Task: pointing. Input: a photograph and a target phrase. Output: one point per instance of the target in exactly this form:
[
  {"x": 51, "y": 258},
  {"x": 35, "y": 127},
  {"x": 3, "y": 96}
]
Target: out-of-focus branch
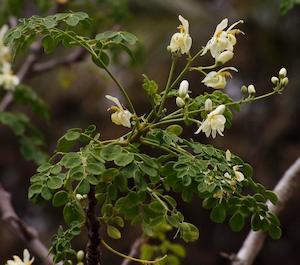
[
  {"x": 255, "y": 240},
  {"x": 134, "y": 249},
  {"x": 76, "y": 56},
  {"x": 27, "y": 233}
]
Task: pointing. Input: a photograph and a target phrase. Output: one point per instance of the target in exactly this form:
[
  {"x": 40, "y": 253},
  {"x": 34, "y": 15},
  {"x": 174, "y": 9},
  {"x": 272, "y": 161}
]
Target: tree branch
[
  {"x": 255, "y": 240},
  {"x": 78, "y": 55},
  {"x": 134, "y": 249},
  {"x": 92, "y": 249},
  {"x": 27, "y": 233}
]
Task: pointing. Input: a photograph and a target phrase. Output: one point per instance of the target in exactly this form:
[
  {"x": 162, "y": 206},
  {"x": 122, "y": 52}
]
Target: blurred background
[{"x": 265, "y": 133}]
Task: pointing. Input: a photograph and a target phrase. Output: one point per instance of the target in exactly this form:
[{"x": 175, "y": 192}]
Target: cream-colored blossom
[
  {"x": 214, "y": 123},
  {"x": 7, "y": 79},
  {"x": 4, "y": 50},
  {"x": 183, "y": 89},
  {"x": 238, "y": 174},
  {"x": 120, "y": 116},
  {"x": 17, "y": 260},
  {"x": 224, "y": 57},
  {"x": 217, "y": 80},
  {"x": 222, "y": 40},
  {"x": 181, "y": 41}
]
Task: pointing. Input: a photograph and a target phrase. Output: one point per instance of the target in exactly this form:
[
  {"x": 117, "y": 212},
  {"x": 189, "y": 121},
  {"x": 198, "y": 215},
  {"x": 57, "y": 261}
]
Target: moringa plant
[{"x": 112, "y": 183}]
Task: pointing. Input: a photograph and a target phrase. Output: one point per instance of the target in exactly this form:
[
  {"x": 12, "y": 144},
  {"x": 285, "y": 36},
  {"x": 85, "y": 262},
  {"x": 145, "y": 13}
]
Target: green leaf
[
  {"x": 174, "y": 129},
  {"x": 113, "y": 232},
  {"x": 54, "y": 182},
  {"x": 72, "y": 212},
  {"x": 270, "y": 195},
  {"x": 72, "y": 20},
  {"x": 237, "y": 222},
  {"x": 72, "y": 135},
  {"x": 218, "y": 213},
  {"x": 71, "y": 160},
  {"x": 111, "y": 152},
  {"x": 106, "y": 35},
  {"x": 124, "y": 159},
  {"x": 152, "y": 172},
  {"x": 189, "y": 232},
  {"x": 275, "y": 231},
  {"x": 44, "y": 167},
  {"x": 95, "y": 168},
  {"x": 84, "y": 187},
  {"x": 60, "y": 198},
  {"x": 128, "y": 37},
  {"x": 46, "y": 194}
]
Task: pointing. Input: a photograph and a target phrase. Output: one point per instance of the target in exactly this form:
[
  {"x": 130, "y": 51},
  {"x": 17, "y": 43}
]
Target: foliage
[
  {"x": 131, "y": 185},
  {"x": 286, "y": 5}
]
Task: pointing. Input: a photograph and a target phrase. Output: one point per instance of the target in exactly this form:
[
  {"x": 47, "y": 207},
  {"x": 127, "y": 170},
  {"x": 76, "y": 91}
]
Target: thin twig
[
  {"x": 284, "y": 189},
  {"x": 27, "y": 233}
]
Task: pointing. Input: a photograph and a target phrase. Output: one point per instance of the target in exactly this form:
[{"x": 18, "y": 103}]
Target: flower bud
[
  {"x": 208, "y": 105},
  {"x": 251, "y": 90},
  {"x": 183, "y": 89},
  {"x": 227, "y": 175},
  {"x": 80, "y": 255},
  {"x": 275, "y": 80},
  {"x": 79, "y": 197},
  {"x": 282, "y": 73},
  {"x": 224, "y": 57},
  {"x": 228, "y": 155},
  {"x": 285, "y": 81},
  {"x": 244, "y": 89},
  {"x": 180, "y": 102}
]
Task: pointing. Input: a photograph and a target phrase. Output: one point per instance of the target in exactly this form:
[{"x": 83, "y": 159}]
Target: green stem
[
  {"x": 131, "y": 258},
  {"x": 83, "y": 44},
  {"x": 167, "y": 88}
]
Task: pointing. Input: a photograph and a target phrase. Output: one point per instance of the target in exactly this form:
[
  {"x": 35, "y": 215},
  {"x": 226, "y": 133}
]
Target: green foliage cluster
[{"x": 131, "y": 186}]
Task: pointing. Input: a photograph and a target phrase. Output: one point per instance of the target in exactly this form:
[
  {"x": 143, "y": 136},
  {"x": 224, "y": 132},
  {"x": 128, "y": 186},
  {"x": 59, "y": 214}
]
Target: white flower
[
  {"x": 224, "y": 57},
  {"x": 222, "y": 40},
  {"x": 120, "y": 116},
  {"x": 238, "y": 175},
  {"x": 4, "y": 51},
  {"x": 214, "y": 123},
  {"x": 181, "y": 41},
  {"x": 7, "y": 79},
  {"x": 217, "y": 80},
  {"x": 183, "y": 88},
  {"x": 17, "y": 261}
]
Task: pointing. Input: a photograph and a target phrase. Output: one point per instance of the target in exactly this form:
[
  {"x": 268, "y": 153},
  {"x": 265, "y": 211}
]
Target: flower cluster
[
  {"x": 7, "y": 79},
  {"x": 17, "y": 260}
]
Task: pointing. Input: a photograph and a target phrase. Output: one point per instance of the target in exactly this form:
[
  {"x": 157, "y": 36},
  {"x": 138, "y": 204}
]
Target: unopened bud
[
  {"x": 244, "y": 90},
  {"x": 79, "y": 197},
  {"x": 228, "y": 155},
  {"x": 208, "y": 105},
  {"x": 285, "y": 81},
  {"x": 224, "y": 57},
  {"x": 251, "y": 90},
  {"x": 282, "y": 73},
  {"x": 180, "y": 102},
  {"x": 183, "y": 89},
  {"x": 80, "y": 255},
  {"x": 275, "y": 80},
  {"x": 227, "y": 175}
]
